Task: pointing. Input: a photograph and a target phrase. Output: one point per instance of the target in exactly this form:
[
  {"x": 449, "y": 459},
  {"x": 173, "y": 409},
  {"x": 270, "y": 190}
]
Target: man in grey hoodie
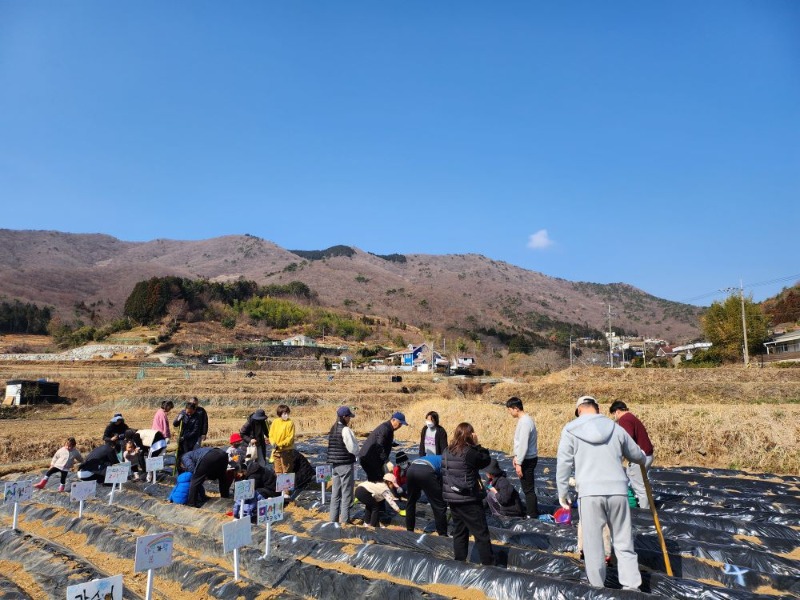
[{"x": 592, "y": 446}]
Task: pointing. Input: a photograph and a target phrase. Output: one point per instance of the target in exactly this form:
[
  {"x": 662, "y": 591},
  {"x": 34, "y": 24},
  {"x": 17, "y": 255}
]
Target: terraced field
[{"x": 730, "y": 533}]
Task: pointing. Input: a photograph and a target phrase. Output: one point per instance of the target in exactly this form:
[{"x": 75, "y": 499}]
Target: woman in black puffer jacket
[{"x": 463, "y": 492}]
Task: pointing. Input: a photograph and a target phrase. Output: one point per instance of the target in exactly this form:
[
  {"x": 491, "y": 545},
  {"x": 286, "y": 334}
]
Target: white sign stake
[
  {"x": 117, "y": 474},
  {"x": 242, "y": 491},
  {"x": 235, "y": 534},
  {"x": 16, "y": 492},
  {"x": 284, "y": 482},
  {"x": 152, "y": 552},
  {"x": 153, "y": 465},
  {"x": 269, "y": 511},
  {"x": 109, "y": 587},
  {"x": 323, "y": 477},
  {"x": 80, "y": 491}
]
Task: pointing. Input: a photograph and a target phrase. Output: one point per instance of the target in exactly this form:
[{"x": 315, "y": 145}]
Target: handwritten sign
[
  {"x": 155, "y": 463},
  {"x": 118, "y": 473},
  {"x": 97, "y": 589},
  {"x": 244, "y": 490},
  {"x": 82, "y": 490},
  {"x": 284, "y": 482},
  {"x": 323, "y": 473},
  {"x": 270, "y": 510},
  {"x": 153, "y": 551},
  {"x": 17, "y": 491},
  {"x": 235, "y": 534}
]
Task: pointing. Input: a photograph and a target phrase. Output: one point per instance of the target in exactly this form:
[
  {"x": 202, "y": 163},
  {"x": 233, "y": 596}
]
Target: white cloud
[{"x": 539, "y": 240}]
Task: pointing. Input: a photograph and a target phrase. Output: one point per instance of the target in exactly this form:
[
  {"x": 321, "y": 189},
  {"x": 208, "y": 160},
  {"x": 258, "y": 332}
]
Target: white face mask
[
  {"x": 430, "y": 424},
  {"x": 285, "y": 417}
]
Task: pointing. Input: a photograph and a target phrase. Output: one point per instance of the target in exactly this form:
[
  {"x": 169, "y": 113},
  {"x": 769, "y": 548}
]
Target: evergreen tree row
[{"x": 17, "y": 317}]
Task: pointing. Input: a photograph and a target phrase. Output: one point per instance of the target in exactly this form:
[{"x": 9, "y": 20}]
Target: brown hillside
[{"x": 454, "y": 292}]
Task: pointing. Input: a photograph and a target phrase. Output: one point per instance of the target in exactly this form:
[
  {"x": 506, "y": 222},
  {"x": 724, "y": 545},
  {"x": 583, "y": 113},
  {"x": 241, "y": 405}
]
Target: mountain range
[{"x": 445, "y": 293}]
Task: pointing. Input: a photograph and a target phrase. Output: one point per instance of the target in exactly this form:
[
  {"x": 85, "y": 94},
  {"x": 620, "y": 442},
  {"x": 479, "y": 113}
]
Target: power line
[{"x": 716, "y": 292}]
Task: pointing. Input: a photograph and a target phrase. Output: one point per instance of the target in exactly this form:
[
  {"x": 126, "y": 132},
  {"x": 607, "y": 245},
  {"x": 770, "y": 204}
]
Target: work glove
[
  {"x": 402, "y": 512},
  {"x": 565, "y": 502}
]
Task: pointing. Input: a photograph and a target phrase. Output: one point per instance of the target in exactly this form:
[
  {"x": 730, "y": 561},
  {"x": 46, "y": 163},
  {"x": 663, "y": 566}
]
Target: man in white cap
[
  {"x": 593, "y": 446},
  {"x": 115, "y": 431}
]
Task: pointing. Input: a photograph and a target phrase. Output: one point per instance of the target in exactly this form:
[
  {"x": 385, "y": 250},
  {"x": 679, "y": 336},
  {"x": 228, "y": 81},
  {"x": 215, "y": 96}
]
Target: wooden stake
[{"x": 655, "y": 520}]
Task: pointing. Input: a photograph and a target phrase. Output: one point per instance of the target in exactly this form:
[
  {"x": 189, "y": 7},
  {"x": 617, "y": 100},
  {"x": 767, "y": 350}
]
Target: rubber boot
[{"x": 41, "y": 484}]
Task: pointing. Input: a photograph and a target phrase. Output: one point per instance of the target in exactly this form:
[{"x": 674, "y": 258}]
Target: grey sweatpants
[
  {"x": 343, "y": 482},
  {"x": 634, "y": 472},
  {"x": 595, "y": 512}
]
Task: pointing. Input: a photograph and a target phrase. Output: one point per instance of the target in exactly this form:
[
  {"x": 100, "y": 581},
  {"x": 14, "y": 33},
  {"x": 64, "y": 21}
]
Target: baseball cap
[
  {"x": 400, "y": 417},
  {"x": 116, "y": 418},
  {"x": 344, "y": 411},
  {"x": 584, "y": 400}
]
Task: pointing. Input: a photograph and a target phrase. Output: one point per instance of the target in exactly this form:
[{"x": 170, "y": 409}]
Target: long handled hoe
[
  {"x": 655, "y": 520},
  {"x": 178, "y": 452}
]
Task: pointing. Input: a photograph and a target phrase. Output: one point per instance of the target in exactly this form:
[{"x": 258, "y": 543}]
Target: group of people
[
  {"x": 245, "y": 458},
  {"x": 590, "y": 457},
  {"x": 195, "y": 463},
  {"x": 446, "y": 472},
  {"x": 121, "y": 443},
  {"x": 591, "y": 451}
]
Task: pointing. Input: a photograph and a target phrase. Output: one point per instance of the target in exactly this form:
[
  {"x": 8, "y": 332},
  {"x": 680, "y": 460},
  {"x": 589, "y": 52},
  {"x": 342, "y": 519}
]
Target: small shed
[{"x": 24, "y": 391}]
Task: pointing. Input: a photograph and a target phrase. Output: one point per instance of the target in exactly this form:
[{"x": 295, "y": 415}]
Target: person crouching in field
[
  {"x": 205, "y": 463},
  {"x": 281, "y": 436},
  {"x": 374, "y": 495},
  {"x": 62, "y": 462},
  {"x": 93, "y": 468},
  {"x": 502, "y": 497}
]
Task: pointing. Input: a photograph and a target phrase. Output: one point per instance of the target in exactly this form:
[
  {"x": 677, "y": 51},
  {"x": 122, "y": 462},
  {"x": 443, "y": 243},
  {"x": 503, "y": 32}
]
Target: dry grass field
[{"x": 730, "y": 418}]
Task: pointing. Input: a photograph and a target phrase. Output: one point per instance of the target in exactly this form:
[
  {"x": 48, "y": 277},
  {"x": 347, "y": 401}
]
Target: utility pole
[
  {"x": 570, "y": 352},
  {"x": 644, "y": 351},
  {"x": 744, "y": 325},
  {"x": 610, "y": 343},
  {"x": 731, "y": 290}
]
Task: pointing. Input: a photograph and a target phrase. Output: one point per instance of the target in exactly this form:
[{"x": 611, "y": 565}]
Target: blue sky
[{"x": 651, "y": 143}]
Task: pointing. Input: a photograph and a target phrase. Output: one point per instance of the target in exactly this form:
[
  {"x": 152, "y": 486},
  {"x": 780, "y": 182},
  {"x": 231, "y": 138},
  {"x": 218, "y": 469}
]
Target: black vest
[
  {"x": 459, "y": 480},
  {"x": 338, "y": 454}
]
